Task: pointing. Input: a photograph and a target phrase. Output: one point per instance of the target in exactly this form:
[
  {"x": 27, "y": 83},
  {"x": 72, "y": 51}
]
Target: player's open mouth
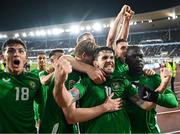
[{"x": 16, "y": 62}]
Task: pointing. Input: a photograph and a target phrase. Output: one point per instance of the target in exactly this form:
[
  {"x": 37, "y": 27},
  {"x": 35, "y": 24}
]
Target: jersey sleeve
[
  {"x": 130, "y": 89},
  {"x": 42, "y": 74},
  {"x": 81, "y": 86},
  {"x": 167, "y": 99}
]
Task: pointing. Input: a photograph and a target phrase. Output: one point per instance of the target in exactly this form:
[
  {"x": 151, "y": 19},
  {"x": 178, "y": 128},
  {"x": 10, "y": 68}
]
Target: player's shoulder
[
  {"x": 31, "y": 75},
  {"x": 155, "y": 76}
]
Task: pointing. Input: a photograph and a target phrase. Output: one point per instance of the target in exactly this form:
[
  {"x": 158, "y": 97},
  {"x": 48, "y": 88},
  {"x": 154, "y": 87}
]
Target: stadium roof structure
[{"x": 161, "y": 19}]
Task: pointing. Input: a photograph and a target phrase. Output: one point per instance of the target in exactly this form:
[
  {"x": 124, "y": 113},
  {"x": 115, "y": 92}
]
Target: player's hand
[
  {"x": 62, "y": 69},
  {"x": 165, "y": 79},
  {"x": 129, "y": 13},
  {"x": 111, "y": 105},
  {"x": 165, "y": 75},
  {"x": 97, "y": 75},
  {"x": 149, "y": 72},
  {"x": 50, "y": 70}
]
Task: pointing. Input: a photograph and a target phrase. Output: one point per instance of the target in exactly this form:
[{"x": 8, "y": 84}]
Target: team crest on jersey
[
  {"x": 32, "y": 84},
  {"x": 116, "y": 86}
]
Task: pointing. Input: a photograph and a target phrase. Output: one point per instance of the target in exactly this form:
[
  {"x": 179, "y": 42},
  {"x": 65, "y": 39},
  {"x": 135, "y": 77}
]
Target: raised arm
[
  {"x": 152, "y": 96},
  {"x": 120, "y": 27},
  {"x": 45, "y": 79},
  {"x": 98, "y": 76},
  {"x": 66, "y": 99},
  {"x": 115, "y": 28},
  {"x": 124, "y": 32}
]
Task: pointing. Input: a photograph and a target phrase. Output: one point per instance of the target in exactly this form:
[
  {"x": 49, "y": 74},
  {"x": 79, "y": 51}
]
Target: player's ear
[{"x": 95, "y": 63}]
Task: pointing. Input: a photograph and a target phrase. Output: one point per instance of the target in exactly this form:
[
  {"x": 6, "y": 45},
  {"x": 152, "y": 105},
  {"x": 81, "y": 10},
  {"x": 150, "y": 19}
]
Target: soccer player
[
  {"x": 41, "y": 62},
  {"x": 41, "y": 66},
  {"x": 117, "y": 38},
  {"x": 143, "y": 121},
  {"x": 18, "y": 90},
  {"x": 53, "y": 117},
  {"x": 85, "y": 36},
  {"x": 51, "y": 113},
  {"x": 91, "y": 94}
]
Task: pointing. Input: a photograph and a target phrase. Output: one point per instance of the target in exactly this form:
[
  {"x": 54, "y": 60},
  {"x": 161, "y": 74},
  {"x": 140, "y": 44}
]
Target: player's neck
[
  {"x": 42, "y": 68},
  {"x": 13, "y": 72}
]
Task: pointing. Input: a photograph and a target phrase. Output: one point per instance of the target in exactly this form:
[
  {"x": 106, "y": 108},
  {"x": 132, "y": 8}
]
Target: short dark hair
[
  {"x": 120, "y": 40},
  {"x": 41, "y": 53},
  {"x": 85, "y": 46},
  {"x": 55, "y": 51},
  {"x": 99, "y": 49},
  {"x": 11, "y": 42}
]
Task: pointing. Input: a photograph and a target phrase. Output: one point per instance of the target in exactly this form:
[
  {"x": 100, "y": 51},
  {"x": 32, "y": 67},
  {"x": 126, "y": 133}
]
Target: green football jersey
[
  {"x": 92, "y": 95},
  {"x": 143, "y": 121},
  {"x": 38, "y": 108},
  {"x": 120, "y": 68},
  {"x": 53, "y": 120},
  {"x": 45, "y": 87},
  {"x": 35, "y": 71},
  {"x": 17, "y": 94}
]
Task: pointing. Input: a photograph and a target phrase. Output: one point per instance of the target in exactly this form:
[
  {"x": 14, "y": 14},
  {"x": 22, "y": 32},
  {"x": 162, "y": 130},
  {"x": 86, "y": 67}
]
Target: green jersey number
[{"x": 22, "y": 93}]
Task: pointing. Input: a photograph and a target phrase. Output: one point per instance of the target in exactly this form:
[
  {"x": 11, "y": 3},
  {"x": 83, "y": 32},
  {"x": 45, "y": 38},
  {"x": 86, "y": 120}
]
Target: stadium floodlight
[
  {"x": 104, "y": 25},
  {"x": 49, "y": 32},
  {"x": 74, "y": 29},
  {"x": 97, "y": 27},
  {"x": 37, "y": 33},
  {"x": 31, "y": 34},
  {"x": 42, "y": 33},
  {"x": 24, "y": 34},
  {"x": 107, "y": 25},
  {"x": 149, "y": 21},
  {"x": 82, "y": 28},
  {"x": 4, "y": 36},
  {"x": 16, "y": 35},
  {"x": 88, "y": 28},
  {"x": 57, "y": 31}
]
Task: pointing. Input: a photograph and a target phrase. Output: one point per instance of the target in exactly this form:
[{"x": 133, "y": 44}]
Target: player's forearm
[
  {"x": 61, "y": 95},
  {"x": 46, "y": 79},
  {"x": 162, "y": 87},
  {"x": 78, "y": 65},
  {"x": 141, "y": 103},
  {"x": 114, "y": 30},
  {"x": 85, "y": 114},
  {"x": 123, "y": 34}
]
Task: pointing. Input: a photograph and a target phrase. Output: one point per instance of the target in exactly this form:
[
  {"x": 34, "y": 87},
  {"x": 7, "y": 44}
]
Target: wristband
[{"x": 148, "y": 95}]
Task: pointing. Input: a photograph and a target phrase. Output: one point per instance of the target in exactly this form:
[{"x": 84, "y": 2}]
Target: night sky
[{"x": 18, "y": 14}]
